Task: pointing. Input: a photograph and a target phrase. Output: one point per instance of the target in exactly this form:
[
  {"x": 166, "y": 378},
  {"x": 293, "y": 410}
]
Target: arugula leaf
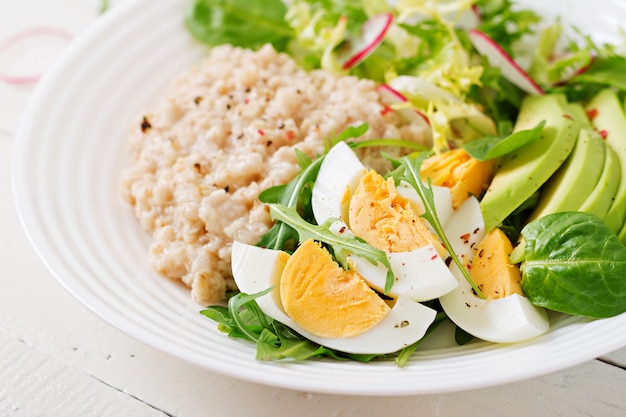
[
  {"x": 574, "y": 264},
  {"x": 245, "y": 23},
  {"x": 491, "y": 147},
  {"x": 408, "y": 169},
  {"x": 281, "y": 236},
  {"x": 342, "y": 246},
  {"x": 243, "y": 319}
]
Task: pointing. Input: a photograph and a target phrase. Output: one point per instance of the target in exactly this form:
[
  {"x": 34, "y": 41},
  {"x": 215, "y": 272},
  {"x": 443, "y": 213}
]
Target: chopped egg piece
[
  {"x": 387, "y": 220},
  {"x": 325, "y": 299}
]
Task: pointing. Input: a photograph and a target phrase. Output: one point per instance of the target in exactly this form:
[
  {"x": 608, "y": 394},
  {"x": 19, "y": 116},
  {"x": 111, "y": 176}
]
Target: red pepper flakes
[
  {"x": 289, "y": 135},
  {"x": 603, "y": 133},
  {"x": 432, "y": 258},
  {"x": 342, "y": 229},
  {"x": 261, "y": 132},
  {"x": 465, "y": 237},
  {"x": 592, "y": 113},
  {"x": 385, "y": 110},
  {"x": 246, "y": 101},
  {"x": 567, "y": 116}
]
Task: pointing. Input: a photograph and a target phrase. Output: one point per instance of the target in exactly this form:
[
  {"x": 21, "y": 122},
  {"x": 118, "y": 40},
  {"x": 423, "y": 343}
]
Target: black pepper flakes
[
  {"x": 145, "y": 124},
  {"x": 197, "y": 100}
]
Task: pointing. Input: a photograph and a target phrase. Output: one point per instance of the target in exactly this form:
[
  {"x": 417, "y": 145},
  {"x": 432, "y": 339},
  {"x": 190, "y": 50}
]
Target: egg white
[
  {"x": 256, "y": 269},
  {"x": 339, "y": 174}
]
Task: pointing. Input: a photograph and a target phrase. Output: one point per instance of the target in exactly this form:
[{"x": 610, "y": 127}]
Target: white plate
[{"x": 69, "y": 154}]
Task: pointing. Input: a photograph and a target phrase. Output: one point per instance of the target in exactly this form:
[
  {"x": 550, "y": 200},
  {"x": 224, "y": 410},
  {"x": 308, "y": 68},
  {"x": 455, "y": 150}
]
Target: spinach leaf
[
  {"x": 244, "y": 23},
  {"x": 574, "y": 264},
  {"x": 491, "y": 147}
]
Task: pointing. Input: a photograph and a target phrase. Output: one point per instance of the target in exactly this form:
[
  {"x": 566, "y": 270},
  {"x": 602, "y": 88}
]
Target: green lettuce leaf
[{"x": 244, "y": 23}]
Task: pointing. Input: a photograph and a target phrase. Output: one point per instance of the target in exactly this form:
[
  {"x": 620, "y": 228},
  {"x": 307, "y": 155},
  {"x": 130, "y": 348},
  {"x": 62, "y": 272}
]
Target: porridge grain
[{"x": 223, "y": 132}]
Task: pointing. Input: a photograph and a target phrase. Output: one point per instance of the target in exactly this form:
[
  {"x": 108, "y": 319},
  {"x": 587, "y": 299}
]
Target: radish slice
[
  {"x": 500, "y": 59},
  {"x": 391, "y": 96},
  {"x": 372, "y": 34},
  {"x": 27, "y": 54}
]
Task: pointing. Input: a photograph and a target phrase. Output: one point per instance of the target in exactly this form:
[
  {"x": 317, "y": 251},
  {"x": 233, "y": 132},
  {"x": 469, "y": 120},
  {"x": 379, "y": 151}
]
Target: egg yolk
[
  {"x": 457, "y": 170},
  {"x": 491, "y": 269},
  {"x": 326, "y": 300},
  {"x": 385, "y": 219}
]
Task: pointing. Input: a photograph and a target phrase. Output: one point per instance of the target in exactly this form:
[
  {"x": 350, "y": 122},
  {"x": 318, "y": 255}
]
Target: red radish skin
[
  {"x": 29, "y": 35},
  {"x": 391, "y": 96},
  {"x": 500, "y": 59},
  {"x": 372, "y": 34}
]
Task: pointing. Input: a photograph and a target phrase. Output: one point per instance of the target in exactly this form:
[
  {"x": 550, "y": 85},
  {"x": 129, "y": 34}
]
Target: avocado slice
[
  {"x": 601, "y": 198},
  {"x": 576, "y": 179},
  {"x": 609, "y": 119},
  {"x": 523, "y": 172}
]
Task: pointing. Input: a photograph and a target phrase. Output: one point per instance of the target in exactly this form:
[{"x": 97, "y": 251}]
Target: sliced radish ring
[
  {"x": 500, "y": 59},
  {"x": 373, "y": 31},
  {"x": 391, "y": 96},
  {"x": 25, "y": 55}
]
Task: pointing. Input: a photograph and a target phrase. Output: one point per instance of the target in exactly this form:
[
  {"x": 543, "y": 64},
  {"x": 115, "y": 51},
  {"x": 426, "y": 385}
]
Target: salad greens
[{"x": 427, "y": 40}]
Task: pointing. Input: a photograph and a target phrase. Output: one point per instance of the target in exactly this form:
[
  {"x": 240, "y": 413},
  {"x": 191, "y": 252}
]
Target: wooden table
[{"x": 59, "y": 359}]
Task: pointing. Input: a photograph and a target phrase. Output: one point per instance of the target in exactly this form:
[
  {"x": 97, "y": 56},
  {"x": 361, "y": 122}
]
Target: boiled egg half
[
  {"x": 509, "y": 319},
  {"x": 387, "y": 217},
  {"x": 315, "y": 297}
]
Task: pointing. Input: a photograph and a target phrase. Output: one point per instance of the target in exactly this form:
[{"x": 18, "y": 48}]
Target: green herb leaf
[
  {"x": 574, "y": 264},
  {"x": 342, "y": 246},
  {"x": 281, "y": 236},
  {"x": 408, "y": 169},
  {"x": 245, "y": 23},
  {"x": 491, "y": 147},
  {"x": 350, "y": 133}
]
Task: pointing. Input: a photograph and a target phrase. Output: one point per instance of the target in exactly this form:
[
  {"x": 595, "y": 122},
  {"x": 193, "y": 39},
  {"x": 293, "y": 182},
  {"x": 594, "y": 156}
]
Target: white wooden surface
[{"x": 58, "y": 359}]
